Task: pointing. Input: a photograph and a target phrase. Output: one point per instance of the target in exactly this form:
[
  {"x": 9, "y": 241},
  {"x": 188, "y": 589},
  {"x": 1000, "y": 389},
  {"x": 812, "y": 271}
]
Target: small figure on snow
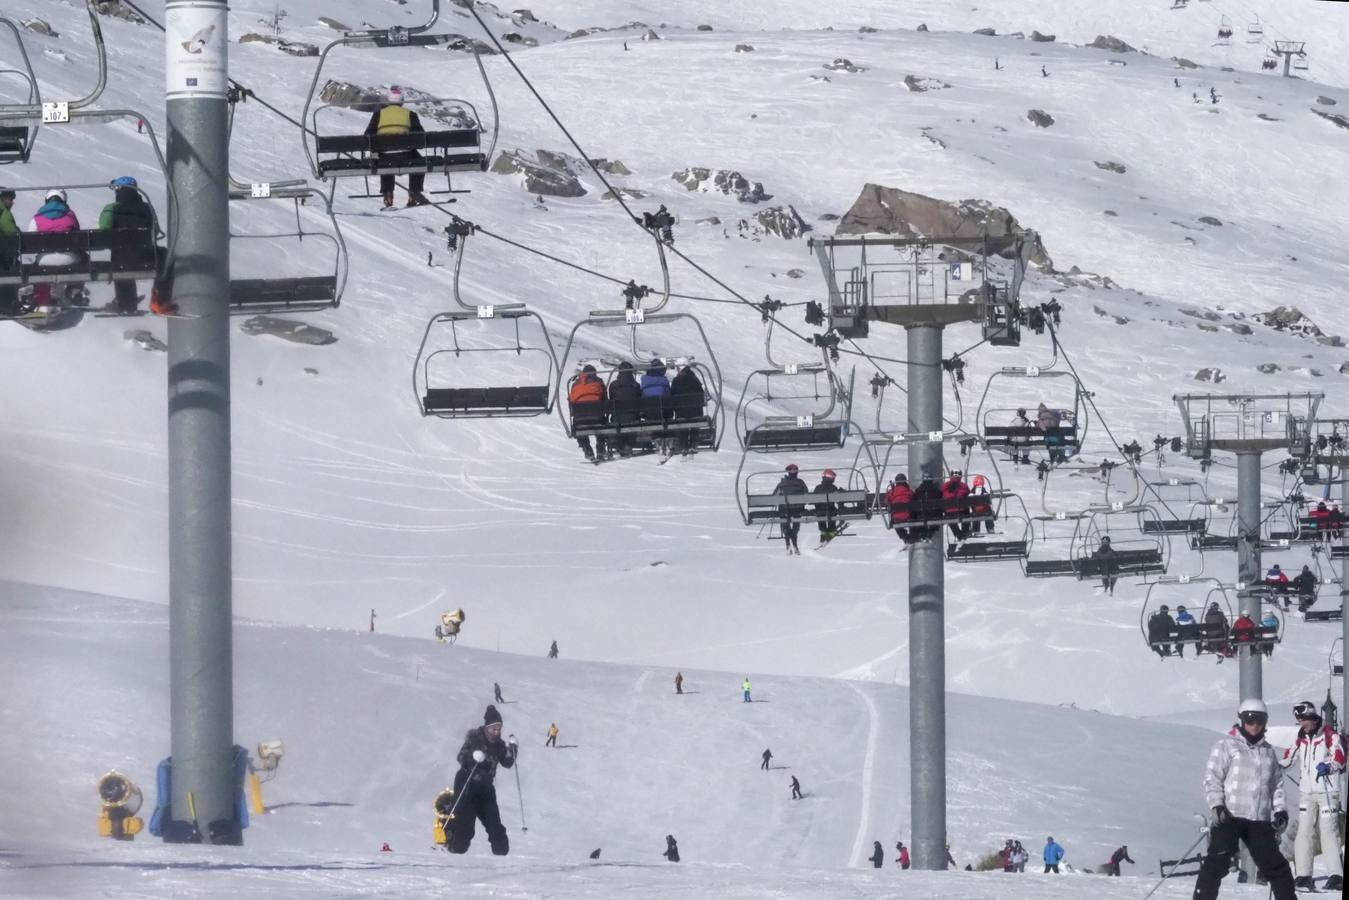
[
  {"x": 482, "y": 752},
  {"x": 1053, "y": 854},
  {"x": 671, "y": 848},
  {"x": 745, "y": 687},
  {"x": 877, "y": 855},
  {"x": 552, "y": 650},
  {"x": 997, "y": 67},
  {"x": 552, "y": 736},
  {"x": 902, "y": 860},
  {"x": 496, "y": 693},
  {"x": 767, "y": 755},
  {"x": 1043, "y": 72},
  {"x": 1119, "y": 856},
  {"x": 796, "y": 795},
  {"x": 679, "y": 682}
]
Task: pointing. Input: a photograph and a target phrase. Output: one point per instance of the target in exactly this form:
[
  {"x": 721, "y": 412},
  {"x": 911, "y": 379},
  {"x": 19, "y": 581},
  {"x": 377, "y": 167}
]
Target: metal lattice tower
[{"x": 1289, "y": 50}]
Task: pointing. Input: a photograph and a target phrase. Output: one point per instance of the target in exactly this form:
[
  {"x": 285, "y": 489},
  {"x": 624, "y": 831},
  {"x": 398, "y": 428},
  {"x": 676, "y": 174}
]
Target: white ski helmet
[
  {"x": 55, "y": 194},
  {"x": 1255, "y": 709}
]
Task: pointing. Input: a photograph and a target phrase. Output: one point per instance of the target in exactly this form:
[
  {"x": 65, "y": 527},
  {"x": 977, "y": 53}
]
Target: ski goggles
[
  {"x": 1254, "y": 717},
  {"x": 1305, "y": 710}
]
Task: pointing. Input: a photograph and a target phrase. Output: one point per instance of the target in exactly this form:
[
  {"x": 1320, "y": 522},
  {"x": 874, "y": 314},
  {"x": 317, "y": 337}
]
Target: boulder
[
  {"x": 651, "y": 35},
  {"x": 1332, "y": 117},
  {"x": 782, "y": 221},
  {"x": 1039, "y": 38},
  {"x": 288, "y": 330},
  {"x": 885, "y": 210},
  {"x": 525, "y": 15},
  {"x": 1269, "y": 368},
  {"x": 725, "y": 181},
  {"x": 987, "y": 32},
  {"x": 548, "y": 174},
  {"x": 1111, "y": 43},
  {"x": 1184, "y": 63},
  {"x": 611, "y": 166},
  {"x": 1288, "y": 318},
  {"x": 704, "y": 27},
  {"x": 1111, "y": 213},
  {"x": 744, "y": 48},
  {"x": 921, "y": 27},
  {"x": 1210, "y": 220},
  {"x": 796, "y": 273},
  {"x": 1214, "y": 375},
  {"x": 351, "y": 96},
  {"x": 867, "y": 29},
  {"x": 514, "y": 37},
  {"x": 919, "y": 85},
  {"x": 114, "y": 9},
  {"x": 144, "y": 339},
  {"x": 843, "y": 64},
  {"x": 1323, "y": 100},
  {"x": 1111, "y": 166},
  {"x": 1041, "y": 118},
  {"x": 43, "y": 27},
  {"x": 1330, "y": 340}
]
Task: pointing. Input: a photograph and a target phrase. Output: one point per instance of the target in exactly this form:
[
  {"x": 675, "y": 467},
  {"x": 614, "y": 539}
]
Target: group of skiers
[
  {"x": 969, "y": 505},
  {"x": 791, "y": 485},
  {"x": 128, "y": 211},
  {"x": 1048, "y": 423},
  {"x": 1303, "y": 586},
  {"x": 902, "y": 858},
  {"x": 1329, "y": 521},
  {"x": 1169, "y": 635},
  {"x": 625, "y": 401}
]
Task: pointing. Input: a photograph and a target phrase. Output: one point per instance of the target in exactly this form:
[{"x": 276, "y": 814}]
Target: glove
[
  {"x": 1323, "y": 770},
  {"x": 1280, "y": 820},
  {"x": 1221, "y": 816},
  {"x": 479, "y": 756}
]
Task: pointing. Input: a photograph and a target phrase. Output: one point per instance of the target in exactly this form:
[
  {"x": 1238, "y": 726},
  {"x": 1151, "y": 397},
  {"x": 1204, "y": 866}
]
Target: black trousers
[
  {"x": 416, "y": 181},
  {"x": 476, "y": 801},
  {"x": 1051, "y": 868},
  {"x": 790, "y": 531},
  {"x": 1263, "y": 843}
]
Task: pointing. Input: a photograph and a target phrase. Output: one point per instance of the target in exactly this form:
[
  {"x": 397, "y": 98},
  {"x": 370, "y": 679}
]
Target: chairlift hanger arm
[{"x": 101, "y": 53}]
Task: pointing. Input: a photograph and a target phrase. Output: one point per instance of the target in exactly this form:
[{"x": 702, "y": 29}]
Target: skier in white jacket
[
  {"x": 1243, "y": 785},
  {"x": 1318, "y": 758}
]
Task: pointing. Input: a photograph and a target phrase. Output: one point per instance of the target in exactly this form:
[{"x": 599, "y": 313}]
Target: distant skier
[
  {"x": 671, "y": 848},
  {"x": 1043, "y": 73},
  {"x": 767, "y": 756},
  {"x": 789, "y": 486},
  {"x": 552, "y": 736},
  {"x": 1176, "y": 81},
  {"x": 1119, "y": 856},
  {"x": 482, "y": 752},
  {"x": 1212, "y": 95},
  {"x": 1244, "y": 787},
  {"x": 496, "y": 692},
  {"x": 745, "y": 687},
  {"x": 796, "y": 795},
  {"x": 902, "y": 860},
  {"x": 1319, "y": 758},
  {"x": 679, "y": 682},
  {"x": 552, "y": 650},
  {"x": 1053, "y": 854},
  {"x": 950, "y": 860},
  {"x": 997, "y": 66},
  {"x": 877, "y": 855}
]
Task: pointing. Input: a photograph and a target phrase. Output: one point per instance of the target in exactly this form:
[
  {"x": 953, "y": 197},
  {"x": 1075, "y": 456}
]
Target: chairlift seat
[
  {"x": 13, "y": 143},
  {"x": 840, "y": 506},
  {"x": 1338, "y": 552},
  {"x": 390, "y": 154},
  {"x": 531, "y": 398},
  {"x": 1050, "y": 568},
  {"x": 1213, "y": 542},
  {"x": 1028, "y": 436},
  {"x": 977, "y": 551},
  {"x": 1173, "y": 526},
  {"x": 132, "y": 253},
  {"x": 810, "y": 437},
  {"x": 282, "y": 292},
  {"x": 1324, "y": 615},
  {"x": 1123, "y": 562}
]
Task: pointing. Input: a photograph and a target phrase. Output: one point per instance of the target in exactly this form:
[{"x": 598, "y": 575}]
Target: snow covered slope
[{"x": 371, "y": 724}]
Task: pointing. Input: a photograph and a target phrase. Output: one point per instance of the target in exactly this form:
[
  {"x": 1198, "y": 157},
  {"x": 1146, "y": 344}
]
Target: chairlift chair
[
  {"x": 1335, "y": 658},
  {"x": 336, "y": 151},
  {"x": 16, "y": 141},
  {"x": 1180, "y": 505},
  {"x": 994, "y": 423},
  {"x": 294, "y": 293},
  {"x": 1014, "y": 521},
  {"x": 1049, "y": 550},
  {"x": 1180, "y": 4},
  {"x": 854, "y": 499},
  {"x": 1254, "y": 31},
  {"x": 1138, "y": 548},
  {"x": 1224, "y": 31},
  {"x": 1220, "y": 526},
  {"x": 1203, "y": 636},
  {"x": 1300, "y": 63}
]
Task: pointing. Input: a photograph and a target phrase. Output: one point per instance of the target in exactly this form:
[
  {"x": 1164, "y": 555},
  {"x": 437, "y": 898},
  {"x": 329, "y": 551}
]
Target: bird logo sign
[{"x": 198, "y": 41}]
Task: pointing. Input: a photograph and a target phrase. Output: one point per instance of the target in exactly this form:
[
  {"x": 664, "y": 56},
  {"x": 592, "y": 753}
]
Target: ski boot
[
  {"x": 388, "y": 200},
  {"x": 1334, "y": 883}
]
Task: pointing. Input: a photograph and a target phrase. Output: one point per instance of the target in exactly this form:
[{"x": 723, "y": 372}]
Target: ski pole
[
  {"x": 519, "y": 792},
  {"x": 1203, "y": 833},
  {"x": 478, "y": 756}
]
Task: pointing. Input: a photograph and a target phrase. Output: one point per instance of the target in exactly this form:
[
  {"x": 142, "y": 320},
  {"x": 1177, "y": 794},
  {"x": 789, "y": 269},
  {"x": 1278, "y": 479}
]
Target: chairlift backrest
[{"x": 314, "y": 288}]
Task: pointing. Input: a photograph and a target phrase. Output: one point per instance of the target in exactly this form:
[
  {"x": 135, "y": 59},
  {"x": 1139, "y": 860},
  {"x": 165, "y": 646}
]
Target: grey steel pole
[
  {"x": 927, "y": 638},
  {"x": 1248, "y": 567},
  {"x": 200, "y": 655}
]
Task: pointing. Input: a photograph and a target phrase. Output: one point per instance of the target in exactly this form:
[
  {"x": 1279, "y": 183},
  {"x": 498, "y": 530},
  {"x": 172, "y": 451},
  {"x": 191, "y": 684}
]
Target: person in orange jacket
[{"x": 587, "y": 398}]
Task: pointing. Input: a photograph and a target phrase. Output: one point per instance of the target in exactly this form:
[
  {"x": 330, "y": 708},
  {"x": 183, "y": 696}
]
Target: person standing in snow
[
  {"x": 482, "y": 752},
  {"x": 767, "y": 755},
  {"x": 671, "y": 848},
  {"x": 1243, "y": 785},
  {"x": 679, "y": 682},
  {"x": 745, "y": 687},
  {"x": 1119, "y": 856},
  {"x": 496, "y": 692},
  {"x": 552, "y": 650},
  {"x": 1020, "y": 856},
  {"x": 902, "y": 860},
  {"x": 552, "y": 736},
  {"x": 1053, "y": 854},
  {"x": 877, "y": 855},
  {"x": 796, "y": 795},
  {"x": 1318, "y": 756}
]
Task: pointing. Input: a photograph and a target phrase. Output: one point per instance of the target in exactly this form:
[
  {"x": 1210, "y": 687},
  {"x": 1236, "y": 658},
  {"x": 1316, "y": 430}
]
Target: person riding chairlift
[{"x": 393, "y": 118}]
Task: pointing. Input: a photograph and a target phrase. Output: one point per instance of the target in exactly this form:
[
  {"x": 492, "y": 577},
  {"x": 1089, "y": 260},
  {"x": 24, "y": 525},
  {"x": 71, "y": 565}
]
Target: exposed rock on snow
[
  {"x": 922, "y": 26},
  {"x": 1290, "y": 319},
  {"x": 289, "y": 330},
  {"x": 1211, "y": 220},
  {"x": 1119, "y": 320},
  {"x": 780, "y": 221},
  {"x": 549, "y": 174},
  {"x": 1333, "y": 117},
  {"x": 144, "y": 339},
  {"x": 1041, "y": 118},
  {"x": 651, "y": 35},
  {"x": 520, "y": 16},
  {"x": 796, "y": 273},
  {"x": 514, "y": 37},
  {"x": 40, "y": 26},
  {"x": 1111, "y": 213},
  {"x": 1184, "y": 63},
  {"x": 350, "y": 96},
  {"x": 726, "y": 181},
  {"x": 885, "y": 210},
  {"x": 744, "y": 48},
  {"x": 1112, "y": 43},
  {"x": 1269, "y": 368},
  {"x": 1111, "y": 166},
  {"x": 704, "y": 27},
  {"x": 625, "y": 193},
  {"x": 115, "y": 10},
  {"x": 1214, "y": 375},
  {"x": 843, "y": 64},
  {"x": 1039, "y": 38},
  {"x": 294, "y": 48},
  {"x": 987, "y": 32},
  {"x": 1330, "y": 340},
  {"x": 919, "y": 85},
  {"x": 1326, "y": 101}
]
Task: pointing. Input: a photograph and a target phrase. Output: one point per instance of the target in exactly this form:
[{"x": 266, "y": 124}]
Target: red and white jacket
[{"x": 1321, "y": 746}]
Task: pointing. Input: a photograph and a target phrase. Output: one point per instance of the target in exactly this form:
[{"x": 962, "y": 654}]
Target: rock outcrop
[
  {"x": 726, "y": 181},
  {"x": 843, "y": 64},
  {"x": 1333, "y": 117},
  {"x": 1039, "y": 38},
  {"x": 1041, "y": 118},
  {"x": 1111, "y": 43},
  {"x": 1111, "y": 166},
  {"x": 548, "y": 174},
  {"x": 919, "y": 85},
  {"x": 288, "y": 330}
]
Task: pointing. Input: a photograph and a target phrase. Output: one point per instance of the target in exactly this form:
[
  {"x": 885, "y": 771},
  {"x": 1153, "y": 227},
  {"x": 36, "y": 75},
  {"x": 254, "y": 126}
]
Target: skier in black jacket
[
  {"x": 687, "y": 398},
  {"x": 927, "y": 505},
  {"x": 791, "y": 484},
  {"x": 625, "y": 398},
  {"x": 482, "y": 752},
  {"x": 877, "y": 855},
  {"x": 829, "y": 528}
]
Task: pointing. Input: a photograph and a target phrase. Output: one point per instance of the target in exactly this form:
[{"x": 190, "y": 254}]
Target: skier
[
  {"x": 1008, "y": 855},
  {"x": 393, "y": 118},
  {"x": 625, "y": 398},
  {"x": 671, "y": 848},
  {"x": 1213, "y": 95},
  {"x": 1160, "y": 627},
  {"x": 767, "y": 755},
  {"x": 997, "y": 66},
  {"x": 482, "y": 752},
  {"x": 899, "y": 497},
  {"x": 1276, "y": 578},
  {"x": 552, "y": 736},
  {"x": 1176, "y": 81},
  {"x": 745, "y": 687},
  {"x": 829, "y": 529},
  {"x": 1319, "y": 758},
  {"x": 903, "y": 859},
  {"x": 789, "y": 486},
  {"x": 927, "y": 505},
  {"x": 1119, "y": 856},
  {"x": 1215, "y": 628},
  {"x": 955, "y": 492},
  {"x": 1053, "y": 853},
  {"x": 679, "y": 682},
  {"x": 687, "y": 398},
  {"x": 877, "y": 855},
  {"x": 552, "y": 650},
  {"x": 950, "y": 860},
  {"x": 1043, "y": 73},
  {"x": 9, "y": 294},
  {"x": 655, "y": 393},
  {"x": 496, "y": 692},
  {"x": 1049, "y": 421},
  {"x": 54, "y": 216},
  {"x": 1018, "y": 439},
  {"x": 587, "y": 398},
  {"x": 1305, "y": 585},
  {"x": 1187, "y": 628},
  {"x": 127, "y": 212},
  {"x": 981, "y": 505},
  {"x": 796, "y": 795},
  {"x": 1269, "y": 628},
  {"x": 1109, "y": 574},
  {"x": 1244, "y": 787}
]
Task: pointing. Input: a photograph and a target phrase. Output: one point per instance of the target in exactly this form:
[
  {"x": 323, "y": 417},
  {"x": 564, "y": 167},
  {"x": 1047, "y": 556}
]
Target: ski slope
[{"x": 345, "y": 500}]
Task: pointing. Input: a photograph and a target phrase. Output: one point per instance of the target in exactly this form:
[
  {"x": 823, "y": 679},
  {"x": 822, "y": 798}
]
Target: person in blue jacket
[
  {"x": 1188, "y": 628},
  {"x": 1053, "y": 853},
  {"x": 656, "y": 393}
]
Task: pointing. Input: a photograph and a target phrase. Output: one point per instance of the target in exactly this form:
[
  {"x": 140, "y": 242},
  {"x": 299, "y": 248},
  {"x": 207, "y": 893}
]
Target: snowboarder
[
  {"x": 394, "y": 119},
  {"x": 789, "y": 486},
  {"x": 877, "y": 855},
  {"x": 687, "y": 398},
  {"x": 9, "y": 294},
  {"x": 745, "y": 687},
  {"x": 1109, "y": 573},
  {"x": 671, "y": 848},
  {"x": 767, "y": 755},
  {"x": 1319, "y": 758},
  {"x": 1053, "y": 854},
  {"x": 552, "y": 736},
  {"x": 552, "y": 650},
  {"x": 496, "y": 692},
  {"x": 902, "y": 860},
  {"x": 829, "y": 529},
  {"x": 1243, "y": 785},
  {"x": 1119, "y": 856},
  {"x": 679, "y": 682},
  {"x": 1305, "y": 586},
  {"x": 482, "y": 752},
  {"x": 587, "y": 398},
  {"x": 796, "y": 795}
]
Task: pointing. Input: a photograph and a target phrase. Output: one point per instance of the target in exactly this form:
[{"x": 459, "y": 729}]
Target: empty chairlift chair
[
  {"x": 1180, "y": 506},
  {"x": 1138, "y": 546},
  {"x": 317, "y": 257},
  {"x": 823, "y": 424},
  {"x": 16, "y": 140}
]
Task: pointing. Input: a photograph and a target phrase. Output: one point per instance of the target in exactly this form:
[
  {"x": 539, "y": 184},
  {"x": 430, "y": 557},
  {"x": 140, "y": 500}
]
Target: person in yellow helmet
[{"x": 394, "y": 118}]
